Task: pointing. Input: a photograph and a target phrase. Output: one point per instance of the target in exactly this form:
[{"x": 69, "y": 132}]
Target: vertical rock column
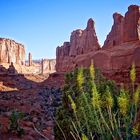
[
  {"x": 81, "y": 42},
  {"x": 115, "y": 37},
  {"x": 132, "y": 24},
  {"x": 42, "y": 66},
  {"x": 30, "y": 59}
]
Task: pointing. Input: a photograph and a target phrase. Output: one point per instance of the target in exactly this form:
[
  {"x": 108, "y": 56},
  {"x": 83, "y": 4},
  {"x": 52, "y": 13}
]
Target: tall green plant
[
  {"x": 133, "y": 75},
  {"x": 93, "y": 108}
]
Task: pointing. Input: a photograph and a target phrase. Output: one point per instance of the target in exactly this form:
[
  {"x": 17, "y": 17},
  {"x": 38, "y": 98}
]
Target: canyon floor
[{"x": 36, "y": 98}]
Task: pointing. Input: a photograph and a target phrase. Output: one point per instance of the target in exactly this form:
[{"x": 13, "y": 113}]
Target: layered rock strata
[{"x": 11, "y": 51}]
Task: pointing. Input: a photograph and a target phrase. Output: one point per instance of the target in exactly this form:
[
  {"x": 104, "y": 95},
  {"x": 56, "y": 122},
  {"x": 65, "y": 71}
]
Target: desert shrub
[
  {"x": 79, "y": 89},
  {"x": 94, "y": 108},
  {"x": 14, "y": 125}
]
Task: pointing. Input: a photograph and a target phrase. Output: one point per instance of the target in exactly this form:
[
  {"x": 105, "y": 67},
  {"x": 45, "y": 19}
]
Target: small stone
[{"x": 35, "y": 119}]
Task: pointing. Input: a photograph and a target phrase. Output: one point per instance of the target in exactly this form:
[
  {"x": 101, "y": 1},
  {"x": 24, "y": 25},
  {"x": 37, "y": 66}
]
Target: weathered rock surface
[
  {"x": 132, "y": 24},
  {"x": 49, "y": 65},
  {"x": 11, "y": 51},
  {"x": 120, "y": 49},
  {"x": 115, "y": 37},
  {"x": 81, "y": 42},
  {"x": 30, "y": 59},
  {"x": 35, "y": 68},
  {"x": 63, "y": 60},
  {"x": 125, "y": 29},
  {"x": 43, "y": 66},
  {"x": 84, "y": 41}
]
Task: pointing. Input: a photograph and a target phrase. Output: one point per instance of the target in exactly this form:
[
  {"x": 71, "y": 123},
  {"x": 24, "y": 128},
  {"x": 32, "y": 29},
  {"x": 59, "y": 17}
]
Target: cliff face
[
  {"x": 132, "y": 24},
  {"x": 49, "y": 65},
  {"x": 81, "y": 42},
  {"x": 125, "y": 29},
  {"x": 43, "y": 66},
  {"x": 115, "y": 37},
  {"x": 13, "y": 52},
  {"x": 122, "y": 43},
  {"x": 84, "y": 41},
  {"x": 10, "y": 51},
  {"x": 121, "y": 47},
  {"x": 63, "y": 59}
]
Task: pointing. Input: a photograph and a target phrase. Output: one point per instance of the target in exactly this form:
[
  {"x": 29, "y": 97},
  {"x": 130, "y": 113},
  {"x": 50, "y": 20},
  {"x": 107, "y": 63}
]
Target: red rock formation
[
  {"x": 115, "y": 37},
  {"x": 125, "y": 29},
  {"x": 63, "y": 61},
  {"x": 30, "y": 59},
  {"x": 10, "y": 51},
  {"x": 43, "y": 66},
  {"x": 84, "y": 41},
  {"x": 81, "y": 42},
  {"x": 120, "y": 49},
  {"x": 132, "y": 24},
  {"x": 49, "y": 65}
]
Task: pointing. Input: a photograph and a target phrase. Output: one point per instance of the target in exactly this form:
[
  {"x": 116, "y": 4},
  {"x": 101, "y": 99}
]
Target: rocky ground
[{"x": 32, "y": 95}]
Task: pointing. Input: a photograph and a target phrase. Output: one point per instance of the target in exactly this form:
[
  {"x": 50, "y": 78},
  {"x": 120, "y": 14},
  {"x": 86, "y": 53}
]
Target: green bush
[
  {"x": 15, "y": 119},
  {"x": 79, "y": 87},
  {"x": 94, "y": 108}
]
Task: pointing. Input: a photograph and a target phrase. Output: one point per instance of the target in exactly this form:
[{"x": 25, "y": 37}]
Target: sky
[{"x": 42, "y": 25}]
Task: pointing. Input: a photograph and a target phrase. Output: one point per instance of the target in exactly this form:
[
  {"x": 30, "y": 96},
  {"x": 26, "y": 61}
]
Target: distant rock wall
[
  {"x": 49, "y": 65},
  {"x": 11, "y": 51},
  {"x": 43, "y": 66}
]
